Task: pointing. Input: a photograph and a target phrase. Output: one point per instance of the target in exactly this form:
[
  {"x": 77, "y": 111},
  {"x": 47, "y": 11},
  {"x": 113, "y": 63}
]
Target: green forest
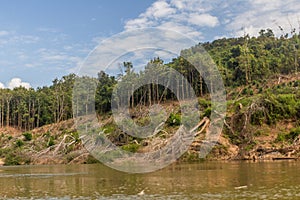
[
  {"x": 260, "y": 75},
  {"x": 261, "y": 79},
  {"x": 242, "y": 61}
]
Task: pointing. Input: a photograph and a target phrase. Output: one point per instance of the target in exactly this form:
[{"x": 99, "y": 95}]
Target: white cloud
[
  {"x": 140, "y": 22},
  {"x": 263, "y": 14},
  {"x": 139, "y": 45},
  {"x": 56, "y": 57},
  {"x": 4, "y": 37},
  {"x": 30, "y": 65},
  {"x": 185, "y": 16},
  {"x": 17, "y": 82},
  {"x": 192, "y": 5},
  {"x": 178, "y": 4},
  {"x": 159, "y": 9},
  {"x": 4, "y": 33},
  {"x": 25, "y": 39},
  {"x": 2, "y": 85},
  {"x": 203, "y": 20},
  {"x": 184, "y": 29},
  {"x": 48, "y": 30},
  {"x": 13, "y": 38},
  {"x": 199, "y": 18}
]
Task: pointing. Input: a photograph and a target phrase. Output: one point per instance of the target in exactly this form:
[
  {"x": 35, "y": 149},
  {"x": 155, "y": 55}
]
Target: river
[{"x": 207, "y": 180}]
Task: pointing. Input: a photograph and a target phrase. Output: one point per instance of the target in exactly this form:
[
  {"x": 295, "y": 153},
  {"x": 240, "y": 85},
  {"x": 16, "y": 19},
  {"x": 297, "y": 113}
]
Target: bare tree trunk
[
  {"x": 149, "y": 94},
  {"x": 38, "y": 115},
  {"x": 201, "y": 86},
  {"x": 86, "y": 105},
  {"x": 177, "y": 89},
  {"x": 296, "y": 60},
  {"x": 157, "y": 91},
  {"x": 8, "y": 111},
  {"x": 2, "y": 113},
  {"x": 132, "y": 96},
  {"x": 182, "y": 87},
  {"x": 29, "y": 114}
]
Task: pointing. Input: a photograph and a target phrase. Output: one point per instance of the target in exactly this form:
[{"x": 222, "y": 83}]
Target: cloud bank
[
  {"x": 185, "y": 16},
  {"x": 203, "y": 19},
  {"x": 14, "y": 83}
]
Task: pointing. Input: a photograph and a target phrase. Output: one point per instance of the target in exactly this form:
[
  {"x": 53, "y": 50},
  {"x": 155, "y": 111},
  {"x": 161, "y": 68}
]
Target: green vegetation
[
  {"x": 19, "y": 143},
  {"x": 27, "y": 136},
  {"x": 174, "y": 119},
  {"x": 260, "y": 75},
  {"x": 288, "y": 137},
  {"x": 131, "y": 147},
  {"x": 50, "y": 141},
  {"x": 243, "y": 62}
]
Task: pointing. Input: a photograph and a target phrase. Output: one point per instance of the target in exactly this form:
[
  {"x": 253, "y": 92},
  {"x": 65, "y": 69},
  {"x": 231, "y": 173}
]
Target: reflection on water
[{"x": 208, "y": 180}]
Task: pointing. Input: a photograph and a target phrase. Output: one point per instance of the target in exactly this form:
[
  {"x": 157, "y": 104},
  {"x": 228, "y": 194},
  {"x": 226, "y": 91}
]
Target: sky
[{"x": 44, "y": 40}]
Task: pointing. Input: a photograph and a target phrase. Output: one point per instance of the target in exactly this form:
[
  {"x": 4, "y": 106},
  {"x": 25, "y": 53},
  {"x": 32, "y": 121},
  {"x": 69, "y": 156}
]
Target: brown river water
[{"x": 206, "y": 180}]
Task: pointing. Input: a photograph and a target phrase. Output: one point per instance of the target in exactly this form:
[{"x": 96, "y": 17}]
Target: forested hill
[
  {"x": 243, "y": 62},
  {"x": 248, "y": 59}
]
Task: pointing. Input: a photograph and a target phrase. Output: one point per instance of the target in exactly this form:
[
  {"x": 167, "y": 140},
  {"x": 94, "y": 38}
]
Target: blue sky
[{"x": 42, "y": 40}]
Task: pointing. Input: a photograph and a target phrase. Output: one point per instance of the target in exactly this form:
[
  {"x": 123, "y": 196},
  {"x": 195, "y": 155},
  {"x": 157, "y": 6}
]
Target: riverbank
[
  {"x": 261, "y": 123},
  {"x": 262, "y": 85},
  {"x": 61, "y": 144}
]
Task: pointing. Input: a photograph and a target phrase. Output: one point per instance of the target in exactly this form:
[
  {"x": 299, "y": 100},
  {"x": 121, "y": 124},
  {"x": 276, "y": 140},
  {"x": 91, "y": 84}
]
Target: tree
[{"x": 104, "y": 91}]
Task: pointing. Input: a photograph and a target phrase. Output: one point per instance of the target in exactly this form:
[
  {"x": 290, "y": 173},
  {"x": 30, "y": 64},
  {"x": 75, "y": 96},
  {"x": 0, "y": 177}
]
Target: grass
[
  {"x": 288, "y": 137},
  {"x": 131, "y": 147}
]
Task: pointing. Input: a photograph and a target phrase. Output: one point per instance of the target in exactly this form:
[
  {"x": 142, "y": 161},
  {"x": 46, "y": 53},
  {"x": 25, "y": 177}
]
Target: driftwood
[
  {"x": 43, "y": 152},
  {"x": 63, "y": 144},
  {"x": 78, "y": 158},
  {"x": 204, "y": 121},
  {"x": 158, "y": 128},
  {"x": 229, "y": 127},
  {"x": 285, "y": 158}
]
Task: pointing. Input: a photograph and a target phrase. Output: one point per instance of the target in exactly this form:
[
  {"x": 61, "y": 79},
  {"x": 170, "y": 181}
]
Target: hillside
[
  {"x": 262, "y": 125},
  {"x": 51, "y": 144},
  {"x": 261, "y": 78}
]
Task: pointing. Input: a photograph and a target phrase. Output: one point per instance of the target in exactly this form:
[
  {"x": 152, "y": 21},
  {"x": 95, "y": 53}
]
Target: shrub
[
  {"x": 174, "y": 119},
  {"x": 207, "y": 112},
  {"x": 131, "y": 147},
  {"x": 290, "y": 137},
  {"x": 50, "y": 142},
  {"x": 47, "y": 134},
  {"x": 294, "y": 133},
  {"x": 280, "y": 137},
  {"x": 250, "y": 146},
  {"x": 75, "y": 134},
  {"x": 297, "y": 110},
  {"x": 245, "y": 91},
  {"x": 19, "y": 143},
  {"x": 259, "y": 133},
  {"x": 27, "y": 136},
  {"x": 12, "y": 159},
  {"x": 257, "y": 118},
  {"x": 281, "y": 106},
  {"x": 110, "y": 128},
  {"x": 251, "y": 92},
  {"x": 204, "y": 103},
  {"x": 143, "y": 121}
]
